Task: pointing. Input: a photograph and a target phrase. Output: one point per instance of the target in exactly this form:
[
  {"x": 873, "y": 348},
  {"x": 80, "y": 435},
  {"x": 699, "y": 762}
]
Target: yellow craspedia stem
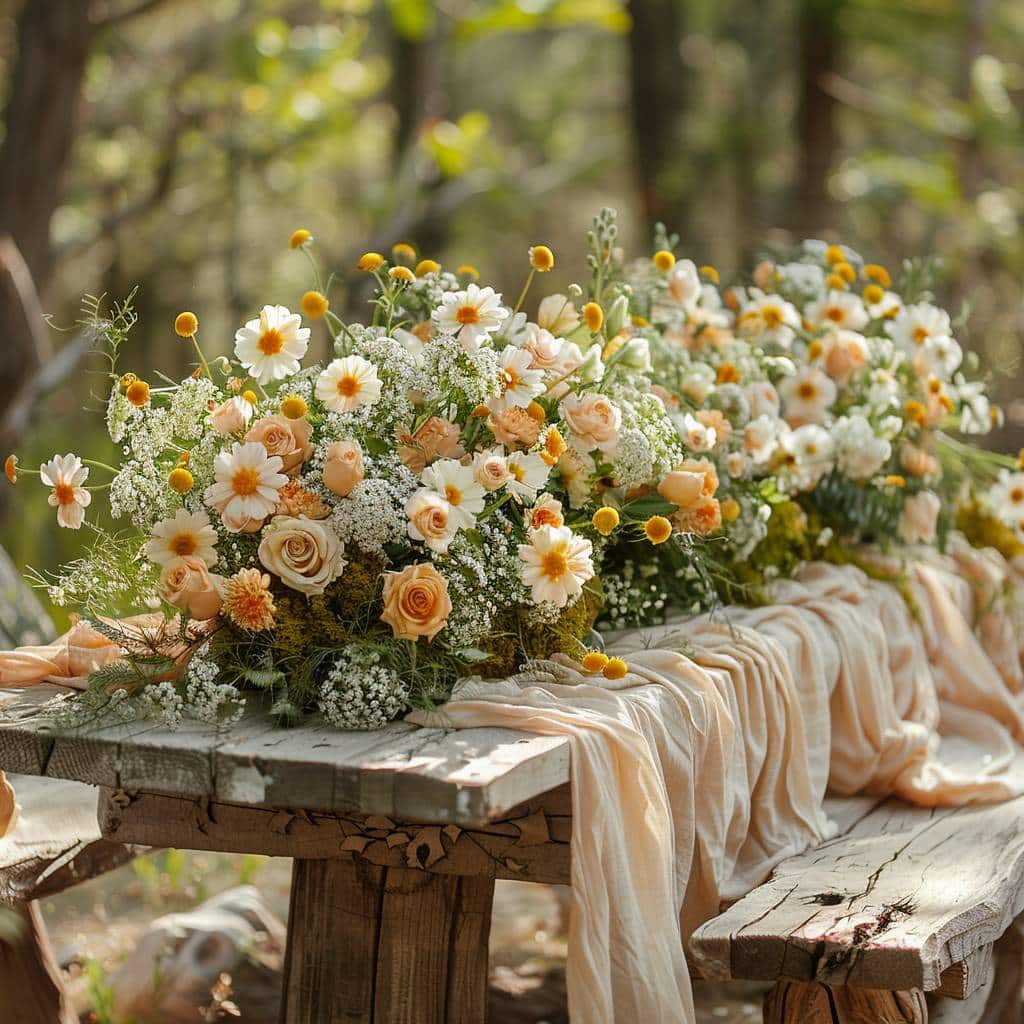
[
  {"x": 834, "y": 254},
  {"x": 541, "y": 258},
  {"x": 664, "y": 260},
  {"x": 615, "y": 669},
  {"x": 427, "y": 267},
  {"x": 299, "y": 238},
  {"x": 605, "y": 520},
  {"x": 250, "y": 396},
  {"x": 369, "y": 262},
  {"x": 876, "y": 272},
  {"x": 11, "y": 468},
  {"x": 730, "y": 510},
  {"x": 137, "y": 393},
  {"x": 594, "y": 661},
  {"x": 294, "y": 407},
  {"x": 180, "y": 481},
  {"x": 403, "y": 251},
  {"x": 873, "y": 294},
  {"x": 593, "y": 317},
  {"x": 467, "y": 270},
  {"x": 710, "y": 273},
  {"x": 314, "y": 304},
  {"x": 186, "y": 324},
  {"x": 403, "y": 274},
  {"x": 657, "y": 529}
]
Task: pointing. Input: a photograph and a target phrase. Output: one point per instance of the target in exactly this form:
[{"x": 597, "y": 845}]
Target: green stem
[
  {"x": 202, "y": 359},
  {"x": 526, "y": 288}
]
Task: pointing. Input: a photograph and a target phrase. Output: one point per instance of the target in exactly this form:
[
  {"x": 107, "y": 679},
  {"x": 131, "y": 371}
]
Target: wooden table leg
[
  {"x": 379, "y": 945},
  {"x": 31, "y": 988},
  {"x": 810, "y": 1002}
]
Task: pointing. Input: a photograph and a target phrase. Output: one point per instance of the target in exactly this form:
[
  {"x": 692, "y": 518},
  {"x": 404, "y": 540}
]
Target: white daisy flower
[
  {"x": 860, "y": 453},
  {"x": 246, "y": 486},
  {"x": 271, "y": 346},
  {"x": 188, "y": 533},
  {"x": 915, "y": 324},
  {"x": 697, "y": 437},
  {"x": 771, "y": 317},
  {"x": 520, "y": 383},
  {"x": 976, "y": 410},
  {"x": 1006, "y": 498},
  {"x": 807, "y": 396},
  {"x": 555, "y": 564},
  {"x": 471, "y": 315},
  {"x": 527, "y": 475},
  {"x": 810, "y": 450},
  {"x": 346, "y": 384},
  {"x": 457, "y": 484},
  {"x": 761, "y": 437},
  {"x": 886, "y": 308},
  {"x": 940, "y": 356},
  {"x": 66, "y": 474},
  {"x": 838, "y": 309}
]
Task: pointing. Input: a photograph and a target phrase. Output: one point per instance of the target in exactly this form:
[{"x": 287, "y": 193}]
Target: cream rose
[
  {"x": 304, "y": 554},
  {"x": 436, "y": 439},
  {"x": 764, "y": 399},
  {"x": 514, "y": 428},
  {"x": 284, "y": 437},
  {"x": 186, "y": 583},
  {"x": 689, "y": 483},
  {"x": 343, "y": 467},
  {"x": 416, "y": 602},
  {"x": 430, "y": 520},
  {"x": 920, "y": 518},
  {"x": 490, "y": 470},
  {"x": 544, "y": 348},
  {"x": 593, "y": 422},
  {"x": 231, "y": 416}
]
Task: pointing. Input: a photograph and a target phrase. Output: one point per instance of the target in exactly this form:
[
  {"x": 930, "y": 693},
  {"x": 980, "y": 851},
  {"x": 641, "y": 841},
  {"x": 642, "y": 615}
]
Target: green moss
[{"x": 983, "y": 530}]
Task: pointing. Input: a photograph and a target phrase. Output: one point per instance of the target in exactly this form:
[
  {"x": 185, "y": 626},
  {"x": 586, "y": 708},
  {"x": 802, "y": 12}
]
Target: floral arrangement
[{"x": 462, "y": 488}]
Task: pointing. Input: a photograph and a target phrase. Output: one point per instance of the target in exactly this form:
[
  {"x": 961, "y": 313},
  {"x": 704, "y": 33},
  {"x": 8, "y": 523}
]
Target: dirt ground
[{"x": 95, "y": 925}]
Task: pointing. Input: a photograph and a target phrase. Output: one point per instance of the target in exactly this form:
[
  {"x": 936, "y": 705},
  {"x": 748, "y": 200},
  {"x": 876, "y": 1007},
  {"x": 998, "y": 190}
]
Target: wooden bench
[{"x": 398, "y": 836}]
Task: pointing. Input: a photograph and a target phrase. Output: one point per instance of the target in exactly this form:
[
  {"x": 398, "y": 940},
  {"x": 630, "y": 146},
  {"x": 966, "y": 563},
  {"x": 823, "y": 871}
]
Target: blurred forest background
[{"x": 175, "y": 144}]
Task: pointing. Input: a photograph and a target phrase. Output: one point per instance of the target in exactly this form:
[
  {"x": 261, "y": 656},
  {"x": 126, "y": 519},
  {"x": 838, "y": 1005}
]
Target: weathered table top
[{"x": 465, "y": 777}]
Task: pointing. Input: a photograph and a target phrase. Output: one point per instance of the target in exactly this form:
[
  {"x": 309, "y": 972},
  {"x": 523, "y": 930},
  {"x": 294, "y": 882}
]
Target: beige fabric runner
[{"x": 699, "y": 774}]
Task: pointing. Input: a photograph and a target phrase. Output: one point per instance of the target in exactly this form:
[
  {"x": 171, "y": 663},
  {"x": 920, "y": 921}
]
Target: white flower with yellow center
[
  {"x": 807, "y": 396},
  {"x": 346, "y": 384},
  {"x": 809, "y": 450},
  {"x": 520, "y": 383},
  {"x": 527, "y": 475},
  {"x": 886, "y": 308},
  {"x": 271, "y": 346},
  {"x": 187, "y": 534},
  {"x": 247, "y": 481},
  {"x": 838, "y": 309},
  {"x": 915, "y": 324},
  {"x": 770, "y": 317},
  {"x": 1006, "y": 499},
  {"x": 458, "y": 485},
  {"x": 471, "y": 315},
  {"x": 555, "y": 564},
  {"x": 939, "y": 356},
  {"x": 66, "y": 474},
  {"x": 575, "y": 469}
]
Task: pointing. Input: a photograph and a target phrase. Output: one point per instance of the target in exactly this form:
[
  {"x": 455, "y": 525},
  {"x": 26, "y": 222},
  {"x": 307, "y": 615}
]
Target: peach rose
[
  {"x": 702, "y": 518},
  {"x": 186, "y": 583},
  {"x": 514, "y": 428},
  {"x": 689, "y": 483},
  {"x": 284, "y": 437},
  {"x": 920, "y": 518},
  {"x": 845, "y": 353},
  {"x": 917, "y": 462},
  {"x": 430, "y": 520},
  {"x": 593, "y": 422},
  {"x": 231, "y": 416},
  {"x": 490, "y": 470},
  {"x": 544, "y": 348},
  {"x": 416, "y": 602},
  {"x": 436, "y": 439},
  {"x": 304, "y": 554},
  {"x": 343, "y": 467}
]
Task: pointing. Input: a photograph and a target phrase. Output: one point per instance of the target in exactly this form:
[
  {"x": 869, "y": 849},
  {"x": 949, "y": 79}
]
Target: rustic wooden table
[{"x": 397, "y": 837}]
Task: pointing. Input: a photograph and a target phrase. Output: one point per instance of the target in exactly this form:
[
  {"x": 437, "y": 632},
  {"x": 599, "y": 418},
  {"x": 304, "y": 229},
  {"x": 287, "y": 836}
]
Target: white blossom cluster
[
  {"x": 360, "y": 693},
  {"x": 209, "y": 700},
  {"x": 163, "y": 703}
]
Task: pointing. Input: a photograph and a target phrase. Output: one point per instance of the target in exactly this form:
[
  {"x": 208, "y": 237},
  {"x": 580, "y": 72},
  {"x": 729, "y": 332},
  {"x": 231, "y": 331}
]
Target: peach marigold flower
[
  {"x": 66, "y": 475},
  {"x": 294, "y": 500},
  {"x": 555, "y": 564},
  {"x": 248, "y": 602}
]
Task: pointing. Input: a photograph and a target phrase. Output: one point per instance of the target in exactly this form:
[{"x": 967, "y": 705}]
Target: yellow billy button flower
[
  {"x": 403, "y": 251},
  {"x": 427, "y": 267},
  {"x": 875, "y": 272},
  {"x": 467, "y": 270},
  {"x": 710, "y": 273},
  {"x": 300, "y": 238},
  {"x": 836, "y": 282},
  {"x": 594, "y": 661},
  {"x": 294, "y": 407},
  {"x": 615, "y": 669},
  {"x": 126, "y": 380},
  {"x": 480, "y": 412},
  {"x": 730, "y": 510},
  {"x": 314, "y": 304},
  {"x": 845, "y": 271},
  {"x": 834, "y": 254},
  {"x": 369, "y": 262},
  {"x": 403, "y": 274},
  {"x": 664, "y": 260},
  {"x": 180, "y": 481},
  {"x": 250, "y": 396},
  {"x": 657, "y": 529},
  {"x": 873, "y": 294},
  {"x": 605, "y": 520},
  {"x": 542, "y": 258},
  {"x": 11, "y": 468},
  {"x": 137, "y": 393},
  {"x": 186, "y": 324},
  {"x": 536, "y": 412},
  {"x": 896, "y": 481},
  {"x": 593, "y": 317}
]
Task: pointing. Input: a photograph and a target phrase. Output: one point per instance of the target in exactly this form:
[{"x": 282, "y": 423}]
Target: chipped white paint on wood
[
  {"x": 435, "y": 775},
  {"x": 906, "y": 893}
]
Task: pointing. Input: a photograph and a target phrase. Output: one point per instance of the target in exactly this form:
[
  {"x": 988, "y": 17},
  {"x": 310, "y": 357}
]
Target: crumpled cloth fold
[{"x": 708, "y": 763}]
